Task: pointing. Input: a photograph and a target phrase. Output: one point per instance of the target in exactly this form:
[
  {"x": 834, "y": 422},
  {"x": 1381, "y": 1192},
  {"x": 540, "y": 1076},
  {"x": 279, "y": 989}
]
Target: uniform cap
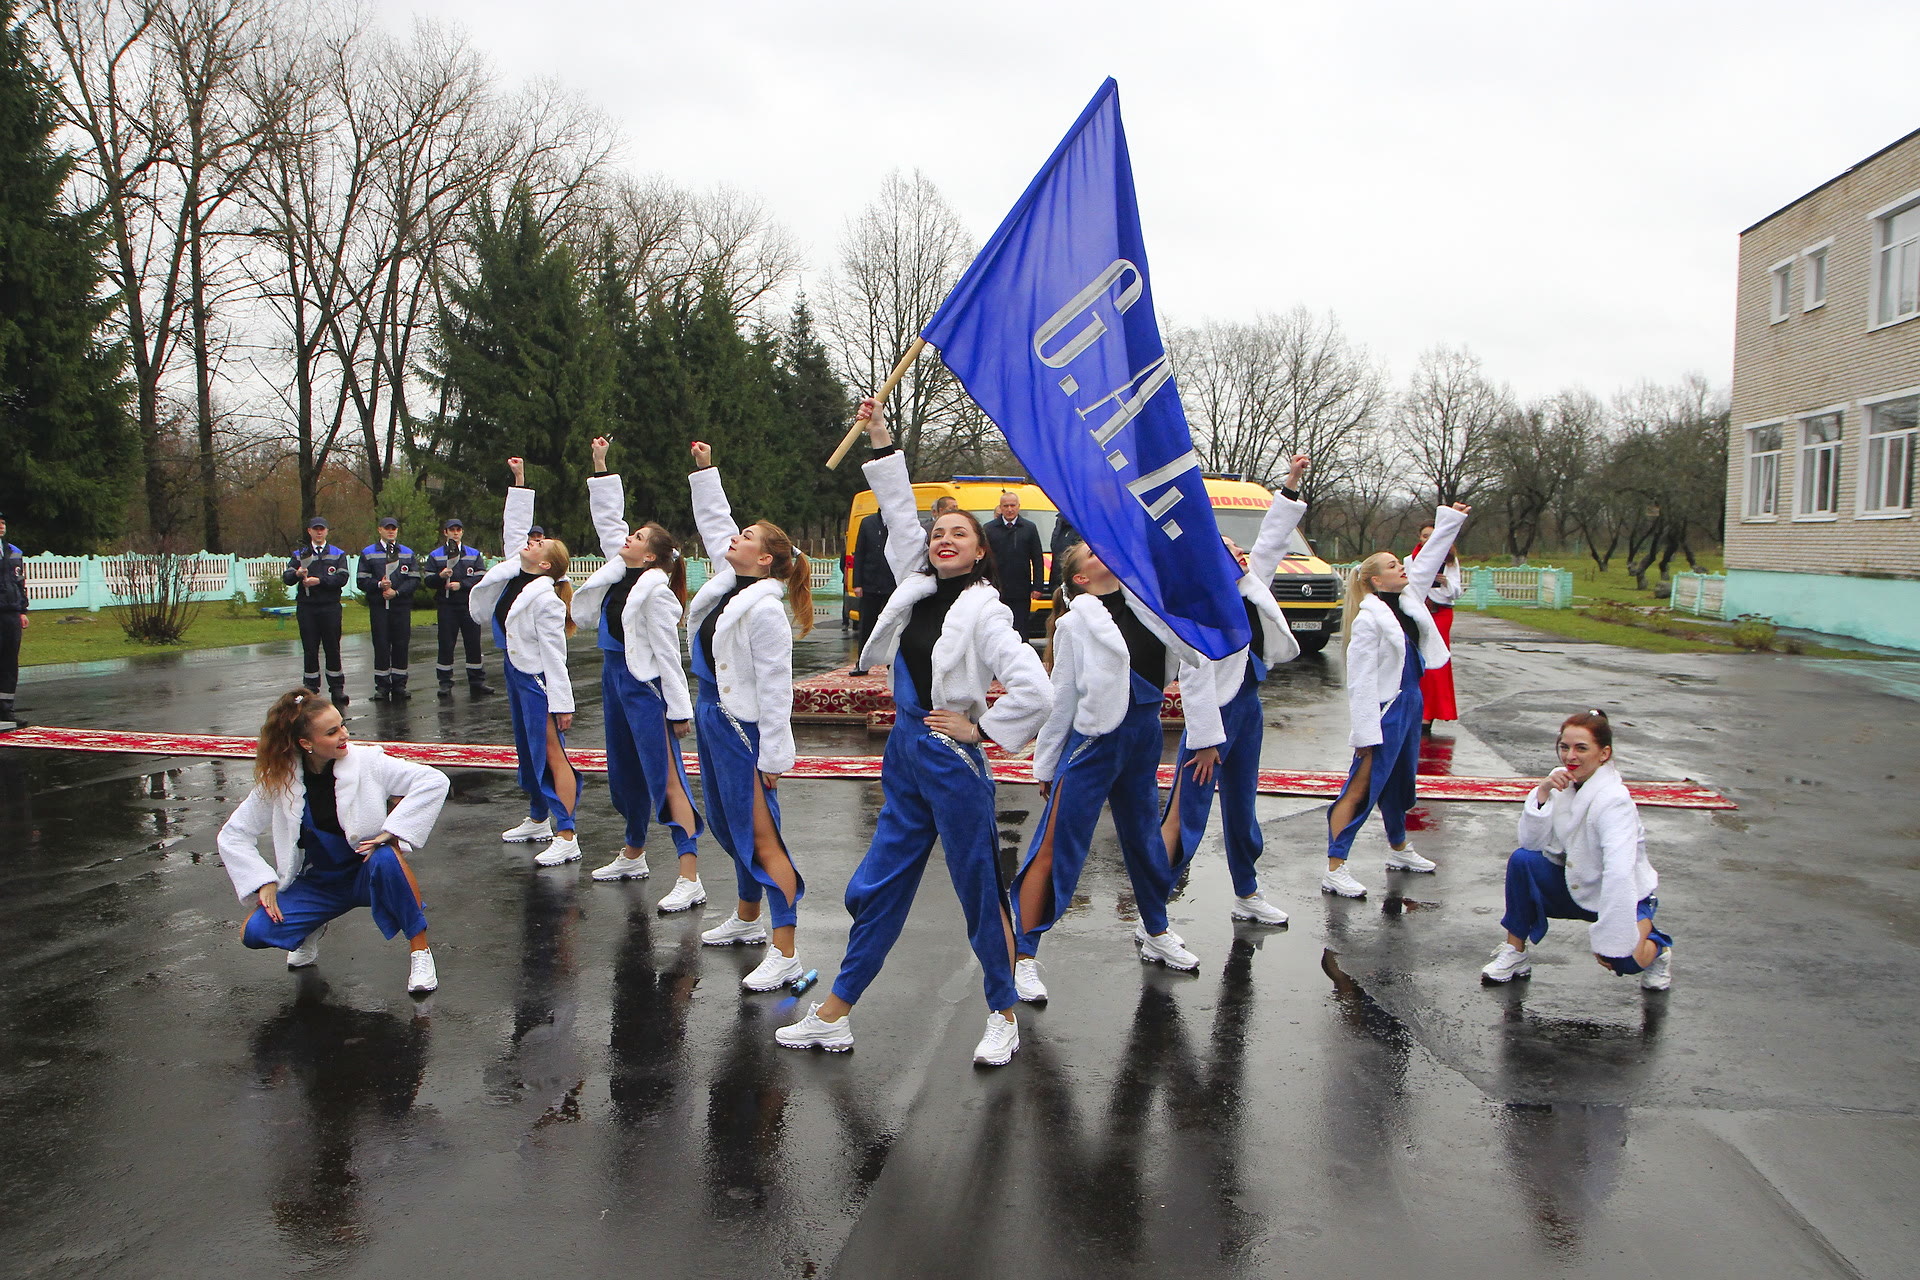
[
  {"x": 389, "y": 522},
  {"x": 536, "y": 532},
  {"x": 452, "y": 522},
  {"x": 318, "y": 523}
]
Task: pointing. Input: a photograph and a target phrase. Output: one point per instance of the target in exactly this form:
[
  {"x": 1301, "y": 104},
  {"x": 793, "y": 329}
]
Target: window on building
[
  {"x": 1782, "y": 290},
  {"x": 1819, "y": 481},
  {"x": 1816, "y": 276},
  {"x": 1763, "y": 472},
  {"x": 1898, "y": 249},
  {"x": 1891, "y": 426}
]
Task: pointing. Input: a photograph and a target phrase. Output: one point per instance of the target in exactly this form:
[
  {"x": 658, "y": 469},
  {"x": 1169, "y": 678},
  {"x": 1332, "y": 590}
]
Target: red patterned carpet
[
  {"x": 840, "y": 697},
  {"x": 449, "y": 755}
]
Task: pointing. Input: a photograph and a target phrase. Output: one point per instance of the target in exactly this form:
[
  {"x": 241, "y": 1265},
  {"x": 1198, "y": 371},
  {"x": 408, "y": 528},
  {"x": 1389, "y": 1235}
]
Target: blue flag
[{"x": 1052, "y": 331}]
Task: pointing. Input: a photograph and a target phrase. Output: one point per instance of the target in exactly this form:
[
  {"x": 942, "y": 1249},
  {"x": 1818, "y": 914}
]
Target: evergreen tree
[
  {"x": 523, "y": 361},
  {"x": 816, "y": 411},
  {"x": 67, "y": 448}
]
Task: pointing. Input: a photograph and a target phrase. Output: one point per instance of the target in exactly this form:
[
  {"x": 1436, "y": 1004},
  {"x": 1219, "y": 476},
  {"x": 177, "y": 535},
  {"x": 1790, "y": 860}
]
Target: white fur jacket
[
  {"x": 537, "y": 622},
  {"x": 1595, "y": 833},
  {"x": 1092, "y": 683},
  {"x": 1275, "y": 639},
  {"x": 651, "y": 618},
  {"x": 363, "y": 781},
  {"x": 1377, "y": 648},
  {"x": 753, "y": 640},
  {"x": 977, "y": 644}
]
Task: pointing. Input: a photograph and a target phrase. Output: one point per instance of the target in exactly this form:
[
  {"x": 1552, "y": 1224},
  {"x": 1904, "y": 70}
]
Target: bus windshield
[{"x": 1243, "y": 527}]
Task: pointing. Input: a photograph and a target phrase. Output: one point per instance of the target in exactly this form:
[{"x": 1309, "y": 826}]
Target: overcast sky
[{"x": 1559, "y": 186}]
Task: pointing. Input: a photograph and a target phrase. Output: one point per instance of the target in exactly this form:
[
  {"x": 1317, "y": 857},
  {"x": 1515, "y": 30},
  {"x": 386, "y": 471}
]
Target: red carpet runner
[{"x": 448, "y": 755}]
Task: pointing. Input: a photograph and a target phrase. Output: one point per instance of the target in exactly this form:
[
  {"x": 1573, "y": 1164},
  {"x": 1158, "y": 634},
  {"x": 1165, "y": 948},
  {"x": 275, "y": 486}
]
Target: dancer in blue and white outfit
[
  {"x": 946, "y": 636},
  {"x": 633, "y": 604},
  {"x": 1583, "y": 856},
  {"x": 1391, "y": 642},
  {"x": 1101, "y": 746},
  {"x": 336, "y": 843},
  {"x": 743, "y": 657},
  {"x": 1223, "y": 750},
  {"x": 526, "y": 597}
]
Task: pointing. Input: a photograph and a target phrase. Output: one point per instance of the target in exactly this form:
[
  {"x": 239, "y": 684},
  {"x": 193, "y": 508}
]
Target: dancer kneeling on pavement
[
  {"x": 945, "y": 636},
  {"x": 1583, "y": 856},
  {"x": 526, "y": 596},
  {"x": 1112, "y": 660},
  {"x": 1224, "y": 750},
  {"x": 1391, "y": 641},
  {"x": 634, "y": 604},
  {"x": 336, "y": 846},
  {"x": 743, "y": 657}
]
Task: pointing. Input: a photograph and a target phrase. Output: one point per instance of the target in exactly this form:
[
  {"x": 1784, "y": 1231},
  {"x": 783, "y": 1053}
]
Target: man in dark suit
[
  {"x": 1020, "y": 570},
  {"x": 873, "y": 581}
]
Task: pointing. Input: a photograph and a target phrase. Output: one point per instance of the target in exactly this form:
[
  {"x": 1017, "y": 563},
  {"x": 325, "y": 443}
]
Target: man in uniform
[
  {"x": 873, "y": 582},
  {"x": 452, "y": 570},
  {"x": 388, "y": 578},
  {"x": 317, "y": 572},
  {"x": 1020, "y": 571},
  {"x": 13, "y": 621}
]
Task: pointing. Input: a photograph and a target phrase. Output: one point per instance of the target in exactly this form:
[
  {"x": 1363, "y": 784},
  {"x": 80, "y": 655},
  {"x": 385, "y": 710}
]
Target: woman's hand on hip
[{"x": 954, "y": 724}]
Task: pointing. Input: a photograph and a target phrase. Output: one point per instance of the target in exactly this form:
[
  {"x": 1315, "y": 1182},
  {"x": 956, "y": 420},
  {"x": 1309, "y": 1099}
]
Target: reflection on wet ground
[{"x": 590, "y": 1092}]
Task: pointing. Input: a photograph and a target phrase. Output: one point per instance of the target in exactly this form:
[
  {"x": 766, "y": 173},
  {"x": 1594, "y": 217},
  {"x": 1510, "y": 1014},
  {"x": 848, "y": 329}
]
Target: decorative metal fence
[
  {"x": 1525, "y": 587},
  {"x": 1702, "y": 594}
]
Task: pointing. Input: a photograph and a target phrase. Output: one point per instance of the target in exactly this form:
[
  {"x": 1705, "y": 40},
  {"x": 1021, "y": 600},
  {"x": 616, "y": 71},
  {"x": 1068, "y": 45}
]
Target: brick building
[{"x": 1821, "y": 530}]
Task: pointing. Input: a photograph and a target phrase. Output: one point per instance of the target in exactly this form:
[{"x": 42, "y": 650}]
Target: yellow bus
[{"x": 976, "y": 494}]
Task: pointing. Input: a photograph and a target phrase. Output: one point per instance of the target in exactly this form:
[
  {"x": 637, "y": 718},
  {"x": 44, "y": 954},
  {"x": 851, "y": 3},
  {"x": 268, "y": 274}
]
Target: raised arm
[
  {"x": 517, "y": 518},
  {"x": 712, "y": 514},
  {"x": 607, "y": 500},
  {"x": 1426, "y": 566},
  {"x": 1276, "y": 528}
]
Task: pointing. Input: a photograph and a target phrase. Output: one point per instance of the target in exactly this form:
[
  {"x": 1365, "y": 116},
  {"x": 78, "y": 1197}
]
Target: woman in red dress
[{"x": 1436, "y": 686}]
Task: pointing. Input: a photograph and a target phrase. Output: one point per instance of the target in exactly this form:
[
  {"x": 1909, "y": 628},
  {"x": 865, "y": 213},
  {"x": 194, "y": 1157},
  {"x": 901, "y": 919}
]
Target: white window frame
[
  {"x": 1747, "y": 488},
  {"x": 1806, "y": 468},
  {"x": 1780, "y": 290},
  {"x": 1875, "y": 221},
  {"x": 1867, "y": 438},
  {"x": 1822, "y": 254}
]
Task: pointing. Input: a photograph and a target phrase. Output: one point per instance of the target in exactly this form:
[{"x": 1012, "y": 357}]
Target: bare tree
[
  {"x": 1536, "y": 452},
  {"x": 1446, "y": 419},
  {"x": 898, "y": 261}
]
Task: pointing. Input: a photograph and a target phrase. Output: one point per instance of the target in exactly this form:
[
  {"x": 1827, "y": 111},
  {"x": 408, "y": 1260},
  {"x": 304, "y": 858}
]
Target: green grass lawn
[{"x": 92, "y": 636}]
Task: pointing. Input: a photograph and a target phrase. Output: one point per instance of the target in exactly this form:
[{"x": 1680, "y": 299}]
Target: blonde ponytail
[
  {"x": 1359, "y": 587},
  {"x": 559, "y": 559},
  {"x": 789, "y": 566}
]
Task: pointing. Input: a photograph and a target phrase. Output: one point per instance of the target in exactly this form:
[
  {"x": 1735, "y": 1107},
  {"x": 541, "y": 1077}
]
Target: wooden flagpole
[{"x": 880, "y": 399}]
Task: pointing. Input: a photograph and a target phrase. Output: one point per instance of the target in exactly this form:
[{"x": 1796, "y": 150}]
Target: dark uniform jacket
[
  {"x": 330, "y": 566},
  {"x": 399, "y": 570},
  {"x": 1018, "y": 568},
  {"x": 13, "y": 579},
  {"x": 468, "y": 565},
  {"x": 871, "y": 573}
]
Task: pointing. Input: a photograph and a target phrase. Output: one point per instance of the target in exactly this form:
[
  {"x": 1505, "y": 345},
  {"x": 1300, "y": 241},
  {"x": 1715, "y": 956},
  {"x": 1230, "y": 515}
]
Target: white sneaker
[
  {"x": 422, "y": 977},
  {"x": 1257, "y": 909},
  {"x": 685, "y": 893},
  {"x": 774, "y": 972},
  {"x": 1407, "y": 860},
  {"x": 733, "y": 929},
  {"x": 308, "y": 951},
  {"x": 1658, "y": 976},
  {"x": 529, "y": 830},
  {"x": 1341, "y": 881},
  {"x": 563, "y": 850},
  {"x": 1509, "y": 962},
  {"x": 1026, "y": 981},
  {"x": 1140, "y": 935},
  {"x": 624, "y": 868},
  {"x": 834, "y": 1037},
  {"x": 1000, "y": 1043},
  {"x": 1170, "y": 951}
]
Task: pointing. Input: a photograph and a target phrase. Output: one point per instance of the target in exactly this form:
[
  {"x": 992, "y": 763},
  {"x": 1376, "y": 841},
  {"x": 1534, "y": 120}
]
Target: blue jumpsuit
[
  {"x": 1390, "y": 786},
  {"x": 1237, "y": 775},
  {"x": 1121, "y": 771},
  {"x": 934, "y": 786},
  {"x": 334, "y": 881},
  {"x": 527, "y": 703},
  {"x": 1537, "y": 892},
  {"x": 729, "y": 773},
  {"x": 641, "y": 748}
]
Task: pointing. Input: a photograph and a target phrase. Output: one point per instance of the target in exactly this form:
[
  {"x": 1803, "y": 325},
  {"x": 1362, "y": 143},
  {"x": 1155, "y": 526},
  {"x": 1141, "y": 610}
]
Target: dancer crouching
[
  {"x": 743, "y": 657},
  {"x": 634, "y": 604},
  {"x": 1224, "y": 749},
  {"x": 945, "y": 636},
  {"x": 1112, "y": 660},
  {"x": 335, "y": 844},
  {"x": 1583, "y": 856},
  {"x": 526, "y": 597},
  {"x": 1391, "y": 641}
]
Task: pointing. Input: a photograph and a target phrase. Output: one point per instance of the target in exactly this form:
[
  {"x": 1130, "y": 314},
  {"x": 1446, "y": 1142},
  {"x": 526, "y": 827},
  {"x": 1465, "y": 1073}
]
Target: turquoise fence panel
[
  {"x": 1525, "y": 587},
  {"x": 1701, "y": 594}
]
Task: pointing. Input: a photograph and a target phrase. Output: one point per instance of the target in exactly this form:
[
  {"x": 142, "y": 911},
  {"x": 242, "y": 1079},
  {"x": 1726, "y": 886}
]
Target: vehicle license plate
[{"x": 1306, "y": 626}]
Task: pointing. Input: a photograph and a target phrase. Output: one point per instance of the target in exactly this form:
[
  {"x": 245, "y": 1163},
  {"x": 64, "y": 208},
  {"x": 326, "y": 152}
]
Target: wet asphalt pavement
[{"x": 589, "y": 1092}]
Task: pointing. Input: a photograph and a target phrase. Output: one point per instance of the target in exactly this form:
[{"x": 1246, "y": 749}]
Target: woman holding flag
[
  {"x": 1391, "y": 642},
  {"x": 1223, "y": 749},
  {"x": 945, "y": 636}
]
